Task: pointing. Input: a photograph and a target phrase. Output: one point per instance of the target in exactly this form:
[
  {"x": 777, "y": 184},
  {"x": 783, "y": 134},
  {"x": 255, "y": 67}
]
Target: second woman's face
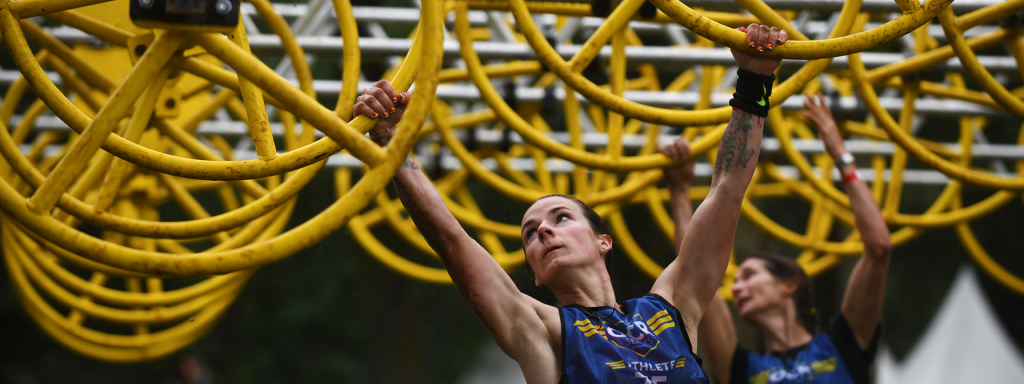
[
  {"x": 557, "y": 236},
  {"x": 756, "y": 290}
]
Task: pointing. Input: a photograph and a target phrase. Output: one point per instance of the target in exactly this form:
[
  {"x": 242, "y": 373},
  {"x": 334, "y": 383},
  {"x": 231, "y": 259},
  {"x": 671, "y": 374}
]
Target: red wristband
[{"x": 850, "y": 177}]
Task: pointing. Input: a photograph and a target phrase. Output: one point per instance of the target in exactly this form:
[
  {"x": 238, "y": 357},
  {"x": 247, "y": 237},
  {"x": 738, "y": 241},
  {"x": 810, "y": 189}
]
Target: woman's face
[
  {"x": 756, "y": 290},
  {"x": 557, "y": 237}
]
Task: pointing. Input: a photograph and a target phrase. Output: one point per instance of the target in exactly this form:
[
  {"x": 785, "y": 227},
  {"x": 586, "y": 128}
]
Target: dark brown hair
[
  {"x": 785, "y": 269},
  {"x": 597, "y": 224}
]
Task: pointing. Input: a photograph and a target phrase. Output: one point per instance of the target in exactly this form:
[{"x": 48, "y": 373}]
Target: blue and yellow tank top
[
  {"x": 647, "y": 345},
  {"x": 832, "y": 356}
]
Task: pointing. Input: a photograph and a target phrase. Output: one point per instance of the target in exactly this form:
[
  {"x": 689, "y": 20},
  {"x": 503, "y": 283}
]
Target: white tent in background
[{"x": 965, "y": 343}]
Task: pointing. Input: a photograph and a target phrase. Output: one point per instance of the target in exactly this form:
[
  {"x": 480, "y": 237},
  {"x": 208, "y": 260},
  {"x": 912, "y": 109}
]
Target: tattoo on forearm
[
  {"x": 410, "y": 163},
  {"x": 733, "y": 148}
]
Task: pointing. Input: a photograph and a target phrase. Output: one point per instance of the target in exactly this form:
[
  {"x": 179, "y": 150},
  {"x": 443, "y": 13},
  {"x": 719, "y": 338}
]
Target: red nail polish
[
  {"x": 392, "y": 109},
  {"x": 386, "y": 115},
  {"x": 401, "y": 97},
  {"x": 375, "y": 115},
  {"x": 760, "y": 48},
  {"x": 751, "y": 44},
  {"x": 394, "y": 99}
]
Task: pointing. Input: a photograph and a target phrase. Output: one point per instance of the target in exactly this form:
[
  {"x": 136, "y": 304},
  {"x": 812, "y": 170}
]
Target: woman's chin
[
  {"x": 746, "y": 314},
  {"x": 557, "y": 265}
]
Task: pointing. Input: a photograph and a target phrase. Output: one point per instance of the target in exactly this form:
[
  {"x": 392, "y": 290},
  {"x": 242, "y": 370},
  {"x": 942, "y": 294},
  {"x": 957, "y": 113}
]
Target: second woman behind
[{"x": 774, "y": 294}]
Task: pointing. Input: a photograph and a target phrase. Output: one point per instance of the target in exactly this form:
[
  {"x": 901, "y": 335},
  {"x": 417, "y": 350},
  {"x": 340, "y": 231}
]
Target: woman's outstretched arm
[
  {"x": 862, "y": 304},
  {"x": 716, "y": 330},
  {"x": 510, "y": 317},
  {"x": 691, "y": 280}
]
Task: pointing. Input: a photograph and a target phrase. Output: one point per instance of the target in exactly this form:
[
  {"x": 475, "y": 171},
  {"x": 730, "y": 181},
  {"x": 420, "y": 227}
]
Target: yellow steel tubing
[
  {"x": 615, "y": 22},
  {"x": 195, "y": 228},
  {"x": 87, "y": 71},
  {"x": 120, "y": 101},
  {"x": 1016, "y": 47},
  {"x": 930, "y": 220},
  {"x": 255, "y": 110},
  {"x": 516, "y": 192},
  {"x": 350, "y": 49},
  {"x": 898, "y": 162},
  {"x": 175, "y": 165},
  {"x": 118, "y": 297},
  {"x": 92, "y": 26},
  {"x": 874, "y": 132},
  {"x": 554, "y": 61},
  {"x": 783, "y": 132},
  {"x": 120, "y": 316},
  {"x": 805, "y": 50},
  {"x": 221, "y": 76},
  {"x": 255, "y": 254},
  {"x": 509, "y": 261},
  {"x": 28, "y": 118},
  {"x": 631, "y": 248},
  {"x": 16, "y": 90},
  {"x": 974, "y": 68},
  {"x": 208, "y": 109},
  {"x": 493, "y": 71},
  {"x": 188, "y": 203},
  {"x": 899, "y": 237},
  {"x": 397, "y": 263},
  {"x": 989, "y": 14},
  {"x": 73, "y": 258},
  {"x": 136, "y": 126},
  {"x": 29, "y": 8},
  {"x": 984, "y": 260},
  {"x": 405, "y": 227},
  {"x": 295, "y": 53},
  {"x": 75, "y": 336},
  {"x": 768, "y": 16},
  {"x": 574, "y": 128},
  {"x": 584, "y": 10},
  {"x": 904, "y": 140},
  {"x": 297, "y": 102},
  {"x": 198, "y": 149},
  {"x": 617, "y": 81},
  {"x": 531, "y": 135},
  {"x": 291, "y": 46},
  {"x": 78, "y": 86},
  {"x": 979, "y": 254},
  {"x": 924, "y": 60}
]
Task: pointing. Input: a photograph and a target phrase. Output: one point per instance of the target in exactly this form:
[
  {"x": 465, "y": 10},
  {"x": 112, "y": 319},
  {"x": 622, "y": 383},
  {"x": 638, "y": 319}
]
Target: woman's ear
[
  {"x": 789, "y": 287},
  {"x": 605, "y": 242}
]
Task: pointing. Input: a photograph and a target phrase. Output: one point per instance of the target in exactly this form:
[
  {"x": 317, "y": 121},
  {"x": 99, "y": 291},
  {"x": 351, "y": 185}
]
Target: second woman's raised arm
[{"x": 862, "y": 304}]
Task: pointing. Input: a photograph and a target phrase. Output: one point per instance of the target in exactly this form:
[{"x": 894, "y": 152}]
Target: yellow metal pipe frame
[{"x": 36, "y": 243}]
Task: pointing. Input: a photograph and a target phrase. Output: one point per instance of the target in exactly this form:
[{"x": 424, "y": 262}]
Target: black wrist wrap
[{"x": 752, "y": 92}]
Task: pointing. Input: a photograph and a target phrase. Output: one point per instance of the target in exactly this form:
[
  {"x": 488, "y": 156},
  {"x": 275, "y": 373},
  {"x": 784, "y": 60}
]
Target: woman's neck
[
  {"x": 782, "y": 331},
  {"x": 589, "y": 292}
]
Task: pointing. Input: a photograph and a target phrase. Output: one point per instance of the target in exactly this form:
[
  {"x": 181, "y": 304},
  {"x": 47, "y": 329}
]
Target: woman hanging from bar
[
  {"x": 592, "y": 337},
  {"x": 774, "y": 294}
]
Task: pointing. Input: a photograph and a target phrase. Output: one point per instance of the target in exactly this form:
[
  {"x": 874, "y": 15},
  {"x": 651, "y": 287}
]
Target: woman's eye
[
  {"x": 530, "y": 233},
  {"x": 562, "y": 218}
]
